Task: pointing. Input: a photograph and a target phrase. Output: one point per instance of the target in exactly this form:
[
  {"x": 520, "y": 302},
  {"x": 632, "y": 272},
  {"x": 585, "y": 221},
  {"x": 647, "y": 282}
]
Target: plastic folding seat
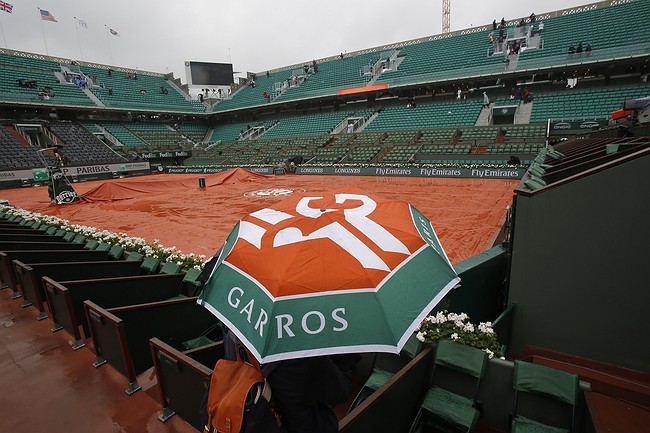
[
  {"x": 445, "y": 407},
  {"x": 536, "y": 384}
]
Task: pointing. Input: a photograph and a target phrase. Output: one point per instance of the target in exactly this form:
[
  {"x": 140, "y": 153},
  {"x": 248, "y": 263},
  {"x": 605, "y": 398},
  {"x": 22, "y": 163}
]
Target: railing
[{"x": 524, "y": 64}]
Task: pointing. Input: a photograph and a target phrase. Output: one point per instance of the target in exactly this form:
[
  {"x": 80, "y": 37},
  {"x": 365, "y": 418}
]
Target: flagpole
[
  {"x": 43, "y": 30},
  {"x": 76, "y": 25},
  {"x": 3, "y": 34},
  {"x": 108, "y": 40}
]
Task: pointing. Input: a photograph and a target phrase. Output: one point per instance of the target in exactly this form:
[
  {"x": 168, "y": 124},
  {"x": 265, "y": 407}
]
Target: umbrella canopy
[{"x": 328, "y": 273}]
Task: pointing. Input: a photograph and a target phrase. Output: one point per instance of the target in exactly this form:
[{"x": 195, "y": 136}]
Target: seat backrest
[
  {"x": 134, "y": 256},
  {"x": 551, "y": 382},
  {"x": 116, "y": 251},
  {"x": 545, "y": 394},
  {"x": 170, "y": 268},
  {"x": 461, "y": 357},
  {"x": 91, "y": 244},
  {"x": 103, "y": 246},
  {"x": 459, "y": 368},
  {"x": 150, "y": 265}
]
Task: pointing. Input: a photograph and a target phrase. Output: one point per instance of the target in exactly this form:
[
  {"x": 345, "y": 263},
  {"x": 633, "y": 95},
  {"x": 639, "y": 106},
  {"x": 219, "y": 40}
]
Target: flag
[
  {"x": 46, "y": 16},
  {"x": 113, "y": 32},
  {"x": 4, "y": 6},
  {"x": 82, "y": 23}
]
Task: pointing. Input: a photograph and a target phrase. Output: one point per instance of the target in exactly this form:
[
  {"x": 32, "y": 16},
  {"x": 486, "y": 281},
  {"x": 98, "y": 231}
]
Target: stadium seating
[
  {"x": 141, "y": 90},
  {"x": 427, "y": 116},
  {"x": 82, "y": 147},
  {"x": 18, "y": 154},
  {"x": 578, "y": 104}
]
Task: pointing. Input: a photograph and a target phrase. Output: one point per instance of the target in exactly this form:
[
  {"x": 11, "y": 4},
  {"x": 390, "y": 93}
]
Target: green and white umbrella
[{"x": 328, "y": 273}]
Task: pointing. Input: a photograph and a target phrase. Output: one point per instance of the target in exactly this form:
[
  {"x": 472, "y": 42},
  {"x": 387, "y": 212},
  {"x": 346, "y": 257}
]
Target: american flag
[
  {"x": 46, "y": 16},
  {"x": 4, "y": 6}
]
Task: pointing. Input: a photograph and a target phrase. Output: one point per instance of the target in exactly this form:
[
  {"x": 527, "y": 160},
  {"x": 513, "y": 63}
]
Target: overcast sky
[{"x": 254, "y": 35}]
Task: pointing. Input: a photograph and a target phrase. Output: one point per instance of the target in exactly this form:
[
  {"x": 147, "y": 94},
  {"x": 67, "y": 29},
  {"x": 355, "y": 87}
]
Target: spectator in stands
[
  {"x": 314, "y": 66},
  {"x": 572, "y": 49},
  {"x": 128, "y": 75},
  {"x": 491, "y": 38},
  {"x": 43, "y": 96},
  {"x": 135, "y": 75},
  {"x": 110, "y": 91},
  {"x": 241, "y": 134},
  {"x": 458, "y": 93},
  {"x": 540, "y": 27},
  {"x": 486, "y": 100},
  {"x": 503, "y": 22},
  {"x": 494, "y": 25},
  {"x": 514, "y": 160},
  {"x": 200, "y": 96},
  {"x": 588, "y": 49},
  {"x": 528, "y": 97},
  {"x": 266, "y": 96},
  {"x": 268, "y": 74},
  {"x": 501, "y": 34},
  {"x": 341, "y": 56},
  {"x": 532, "y": 17},
  {"x": 579, "y": 49},
  {"x": 306, "y": 69},
  {"x": 143, "y": 91},
  {"x": 110, "y": 72},
  {"x": 522, "y": 23},
  {"x": 518, "y": 94}
]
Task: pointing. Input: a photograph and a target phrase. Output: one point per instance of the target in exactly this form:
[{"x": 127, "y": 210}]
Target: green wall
[{"x": 580, "y": 272}]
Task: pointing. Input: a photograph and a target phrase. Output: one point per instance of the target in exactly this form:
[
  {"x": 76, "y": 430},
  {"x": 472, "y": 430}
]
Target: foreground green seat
[
  {"x": 150, "y": 265},
  {"x": 545, "y": 399},
  {"x": 103, "y": 246},
  {"x": 116, "y": 252},
  {"x": 91, "y": 244},
  {"x": 451, "y": 402},
  {"x": 384, "y": 367},
  {"x": 170, "y": 268}
]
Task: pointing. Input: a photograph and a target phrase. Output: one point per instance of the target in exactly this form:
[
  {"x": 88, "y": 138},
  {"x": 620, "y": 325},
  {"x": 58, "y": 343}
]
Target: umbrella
[{"x": 328, "y": 273}]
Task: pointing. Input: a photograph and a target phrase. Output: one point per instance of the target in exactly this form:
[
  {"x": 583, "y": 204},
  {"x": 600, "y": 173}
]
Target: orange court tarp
[{"x": 466, "y": 213}]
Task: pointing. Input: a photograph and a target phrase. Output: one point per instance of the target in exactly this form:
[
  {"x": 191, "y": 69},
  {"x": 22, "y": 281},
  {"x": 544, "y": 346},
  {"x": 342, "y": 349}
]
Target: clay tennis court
[{"x": 466, "y": 213}]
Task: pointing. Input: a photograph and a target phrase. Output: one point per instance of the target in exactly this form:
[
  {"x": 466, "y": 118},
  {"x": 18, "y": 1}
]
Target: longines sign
[{"x": 462, "y": 173}]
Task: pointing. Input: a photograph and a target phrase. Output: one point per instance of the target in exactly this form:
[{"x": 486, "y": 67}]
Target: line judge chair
[{"x": 451, "y": 404}]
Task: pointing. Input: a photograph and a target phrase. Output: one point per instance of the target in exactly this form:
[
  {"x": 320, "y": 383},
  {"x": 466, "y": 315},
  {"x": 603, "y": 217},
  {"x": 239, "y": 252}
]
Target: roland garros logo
[
  {"x": 274, "y": 192},
  {"x": 335, "y": 231}
]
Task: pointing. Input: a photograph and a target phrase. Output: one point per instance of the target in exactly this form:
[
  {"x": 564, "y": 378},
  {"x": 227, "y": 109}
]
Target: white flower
[
  {"x": 454, "y": 336},
  {"x": 489, "y": 352},
  {"x": 468, "y": 327},
  {"x": 420, "y": 336},
  {"x": 486, "y": 327}
]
